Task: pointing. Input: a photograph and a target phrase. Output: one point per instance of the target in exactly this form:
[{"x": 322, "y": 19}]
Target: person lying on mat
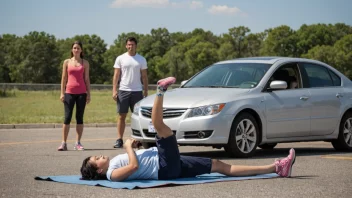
[{"x": 164, "y": 161}]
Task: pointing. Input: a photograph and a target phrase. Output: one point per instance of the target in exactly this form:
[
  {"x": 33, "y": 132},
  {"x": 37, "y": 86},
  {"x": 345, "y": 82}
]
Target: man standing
[{"x": 130, "y": 68}]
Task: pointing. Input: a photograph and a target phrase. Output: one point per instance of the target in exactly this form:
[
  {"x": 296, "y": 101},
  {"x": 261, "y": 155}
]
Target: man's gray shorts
[{"x": 127, "y": 99}]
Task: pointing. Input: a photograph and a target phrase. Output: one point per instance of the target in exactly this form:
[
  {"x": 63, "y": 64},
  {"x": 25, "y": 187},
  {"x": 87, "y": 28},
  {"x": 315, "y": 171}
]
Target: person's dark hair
[
  {"x": 89, "y": 171},
  {"x": 131, "y": 39},
  {"x": 80, "y": 44}
]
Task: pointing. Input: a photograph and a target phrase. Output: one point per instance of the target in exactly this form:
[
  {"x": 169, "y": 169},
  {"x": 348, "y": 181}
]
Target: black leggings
[{"x": 69, "y": 103}]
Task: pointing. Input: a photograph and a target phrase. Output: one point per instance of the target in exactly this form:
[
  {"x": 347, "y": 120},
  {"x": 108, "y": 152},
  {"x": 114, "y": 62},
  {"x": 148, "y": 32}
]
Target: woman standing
[{"x": 75, "y": 89}]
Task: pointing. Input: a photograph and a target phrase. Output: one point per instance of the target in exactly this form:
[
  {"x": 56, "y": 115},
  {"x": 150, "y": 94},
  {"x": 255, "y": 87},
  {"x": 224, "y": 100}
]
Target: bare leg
[
  {"x": 283, "y": 167},
  {"x": 65, "y": 130},
  {"x": 121, "y": 123},
  {"x": 163, "y": 131},
  {"x": 234, "y": 170},
  {"x": 79, "y": 130}
]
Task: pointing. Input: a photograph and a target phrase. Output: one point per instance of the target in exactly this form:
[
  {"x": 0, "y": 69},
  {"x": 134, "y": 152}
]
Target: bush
[{"x": 6, "y": 93}]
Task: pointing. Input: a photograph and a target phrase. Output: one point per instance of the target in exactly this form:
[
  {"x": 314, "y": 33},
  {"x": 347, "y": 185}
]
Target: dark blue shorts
[
  {"x": 172, "y": 165},
  {"x": 127, "y": 99}
]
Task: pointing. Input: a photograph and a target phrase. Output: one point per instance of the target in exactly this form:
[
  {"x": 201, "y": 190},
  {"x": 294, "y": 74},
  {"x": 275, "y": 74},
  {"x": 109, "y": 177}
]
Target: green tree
[
  {"x": 153, "y": 46},
  {"x": 7, "y": 49},
  {"x": 341, "y": 30},
  {"x": 173, "y": 63},
  {"x": 200, "y": 56},
  {"x": 343, "y": 58},
  {"x": 38, "y": 59},
  {"x": 281, "y": 41},
  {"x": 238, "y": 35},
  {"x": 323, "y": 53},
  {"x": 254, "y": 44},
  {"x": 226, "y": 51},
  {"x": 310, "y": 36}
]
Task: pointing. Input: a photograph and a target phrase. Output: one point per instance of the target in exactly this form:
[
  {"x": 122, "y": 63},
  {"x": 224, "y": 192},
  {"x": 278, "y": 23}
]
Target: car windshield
[{"x": 229, "y": 75}]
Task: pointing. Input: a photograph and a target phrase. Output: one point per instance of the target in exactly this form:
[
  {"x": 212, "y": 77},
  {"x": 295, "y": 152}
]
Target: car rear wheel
[
  {"x": 268, "y": 146},
  {"x": 344, "y": 140},
  {"x": 244, "y": 136},
  {"x": 147, "y": 145}
]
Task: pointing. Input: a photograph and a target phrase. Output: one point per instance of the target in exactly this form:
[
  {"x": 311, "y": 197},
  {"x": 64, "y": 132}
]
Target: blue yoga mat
[{"x": 201, "y": 179}]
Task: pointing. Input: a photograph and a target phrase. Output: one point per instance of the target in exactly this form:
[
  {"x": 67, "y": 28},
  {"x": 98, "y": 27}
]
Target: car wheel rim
[
  {"x": 246, "y": 136},
  {"x": 347, "y": 132}
]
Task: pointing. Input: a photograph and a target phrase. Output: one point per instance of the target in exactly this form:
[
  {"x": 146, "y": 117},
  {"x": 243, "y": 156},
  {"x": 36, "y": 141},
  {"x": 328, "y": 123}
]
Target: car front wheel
[
  {"x": 344, "y": 140},
  {"x": 244, "y": 136}
]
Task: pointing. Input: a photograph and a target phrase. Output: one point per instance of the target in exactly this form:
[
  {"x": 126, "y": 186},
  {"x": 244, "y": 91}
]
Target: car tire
[
  {"x": 344, "y": 140},
  {"x": 268, "y": 146},
  {"x": 148, "y": 145},
  {"x": 246, "y": 143}
]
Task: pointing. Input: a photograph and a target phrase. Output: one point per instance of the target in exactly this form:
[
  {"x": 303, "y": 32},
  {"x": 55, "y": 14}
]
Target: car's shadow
[{"x": 271, "y": 153}]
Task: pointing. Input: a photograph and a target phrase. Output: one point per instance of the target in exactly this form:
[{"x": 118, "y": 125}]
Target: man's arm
[
  {"x": 115, "y": 79},
  {"x": 145, "y": 82},
  {"x": 123, "y": 173}
]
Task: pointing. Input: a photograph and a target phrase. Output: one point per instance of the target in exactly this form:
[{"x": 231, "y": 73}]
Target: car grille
[
  {"x": 168, "y": 113},
  {"x": 148, "y": 134}
]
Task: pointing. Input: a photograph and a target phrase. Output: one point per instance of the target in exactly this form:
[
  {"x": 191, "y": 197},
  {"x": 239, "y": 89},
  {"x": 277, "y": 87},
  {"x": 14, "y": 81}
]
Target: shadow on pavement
[
  {"x": 99, "y": 149},
  {"x": 304, "y": 177}
]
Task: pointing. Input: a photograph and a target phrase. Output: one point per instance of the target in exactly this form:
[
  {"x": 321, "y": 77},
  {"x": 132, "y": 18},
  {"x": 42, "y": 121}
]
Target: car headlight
[
  {"x": 136, "y": 108},
  {"x": 206, "y": 110}
]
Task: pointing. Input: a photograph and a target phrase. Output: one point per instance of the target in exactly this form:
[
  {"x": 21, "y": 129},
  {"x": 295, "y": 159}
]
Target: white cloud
[
  {"x": 140, "y": 3},
  {"x": 196, "y": 4},
  {"x": 224, "y": 10},
  {"x": 155, "y": 4}
]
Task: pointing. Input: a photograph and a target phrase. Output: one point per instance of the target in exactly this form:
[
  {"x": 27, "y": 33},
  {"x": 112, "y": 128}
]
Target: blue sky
[{"x": 108, "y": 18}]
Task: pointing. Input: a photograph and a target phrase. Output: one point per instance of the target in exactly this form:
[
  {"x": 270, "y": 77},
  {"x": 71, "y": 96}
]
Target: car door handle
[
  {"x": 304, "y": 98},
  {"x": 339, "y": 95}
]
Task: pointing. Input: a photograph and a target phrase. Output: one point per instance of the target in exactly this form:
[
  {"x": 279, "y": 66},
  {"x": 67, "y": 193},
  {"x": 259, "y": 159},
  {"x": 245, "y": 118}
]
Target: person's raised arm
[
  {"x": 123, "y": 173},
  {"x": 115, "y": 79},
  {"x": 63, "y": 80}
]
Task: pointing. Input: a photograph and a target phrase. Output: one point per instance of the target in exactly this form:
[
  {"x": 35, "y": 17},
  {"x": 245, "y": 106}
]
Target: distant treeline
[{"x": 38, "y": 56}]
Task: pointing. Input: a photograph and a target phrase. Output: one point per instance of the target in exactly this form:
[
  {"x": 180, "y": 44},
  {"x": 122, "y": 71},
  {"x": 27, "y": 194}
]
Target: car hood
[{"x": 195, "y": 97}]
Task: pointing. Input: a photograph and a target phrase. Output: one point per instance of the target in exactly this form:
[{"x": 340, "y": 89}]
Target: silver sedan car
[{"x": 246, "y": 103}]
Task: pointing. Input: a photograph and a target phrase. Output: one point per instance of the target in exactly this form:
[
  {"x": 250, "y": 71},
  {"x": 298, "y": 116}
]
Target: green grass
[{"x": 45, "y": 107}]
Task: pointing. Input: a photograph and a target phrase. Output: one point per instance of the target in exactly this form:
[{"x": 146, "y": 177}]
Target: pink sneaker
[
  {"x": 78, "y": 146},
  {"x": 163, "y": 84},
  {"x": 62, "y": 147},
  {"x": 284, "y": 166}
]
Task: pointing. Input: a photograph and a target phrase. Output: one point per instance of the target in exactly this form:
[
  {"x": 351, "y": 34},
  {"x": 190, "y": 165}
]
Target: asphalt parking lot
[{"x": 319, "y": 170}]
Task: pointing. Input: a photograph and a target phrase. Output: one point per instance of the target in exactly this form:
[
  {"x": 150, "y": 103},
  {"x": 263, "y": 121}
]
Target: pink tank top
[{"x": 75, "y": 82}]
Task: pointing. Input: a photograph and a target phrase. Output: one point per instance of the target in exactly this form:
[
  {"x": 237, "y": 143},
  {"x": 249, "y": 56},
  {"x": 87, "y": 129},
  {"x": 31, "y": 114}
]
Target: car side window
[
  {"x": 318, "y": 75},
  {"x": 290, "y": 74},
  {"x": 335, "y": 78}
]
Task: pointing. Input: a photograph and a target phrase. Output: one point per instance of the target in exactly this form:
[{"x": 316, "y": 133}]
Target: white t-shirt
[
  {"x": 131, "y": 67},
  {"x": 148, "y": 161}
]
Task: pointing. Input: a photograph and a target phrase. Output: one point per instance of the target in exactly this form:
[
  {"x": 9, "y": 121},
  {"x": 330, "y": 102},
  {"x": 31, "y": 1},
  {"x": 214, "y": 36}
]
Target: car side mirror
[
  {"x": 277, "y": 85},
  {"x": 183, "y": 82}
]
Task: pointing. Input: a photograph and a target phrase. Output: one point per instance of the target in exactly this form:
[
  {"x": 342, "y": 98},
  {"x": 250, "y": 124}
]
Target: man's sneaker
[
  {"x": 163, "y": 84},
  {"x": 284, "y": 166},
  {"x": 119, "y": 143},
  {"x": 78, "y": 146},
  {"x": 62, "y": 147}
]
